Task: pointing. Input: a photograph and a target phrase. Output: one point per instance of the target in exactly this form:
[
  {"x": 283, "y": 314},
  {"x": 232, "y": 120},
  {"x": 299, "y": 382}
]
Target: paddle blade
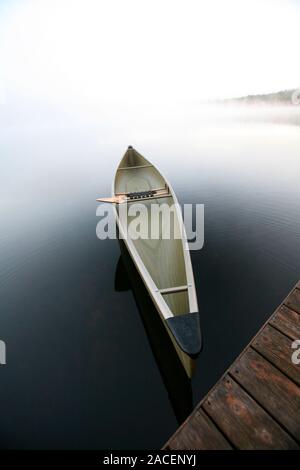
[{"x": 112, "y": 200}]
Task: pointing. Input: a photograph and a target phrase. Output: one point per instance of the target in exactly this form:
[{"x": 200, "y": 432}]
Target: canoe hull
[{"x": 163, "y": 264}]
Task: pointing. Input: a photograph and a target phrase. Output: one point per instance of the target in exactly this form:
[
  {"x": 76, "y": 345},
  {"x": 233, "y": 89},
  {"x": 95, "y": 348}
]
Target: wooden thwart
[
  {"x": 173, "y": 290},
  {"x": 255, "y": 405}
]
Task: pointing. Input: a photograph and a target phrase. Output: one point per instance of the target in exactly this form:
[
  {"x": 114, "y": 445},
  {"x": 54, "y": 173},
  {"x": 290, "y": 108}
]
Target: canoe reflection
[{"x": 175, "y": 379}]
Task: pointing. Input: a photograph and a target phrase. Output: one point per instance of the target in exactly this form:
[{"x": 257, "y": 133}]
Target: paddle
[{"x": 136, "y": 196}]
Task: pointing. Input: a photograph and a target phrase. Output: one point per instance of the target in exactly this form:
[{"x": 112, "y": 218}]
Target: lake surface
[{"x": 83, "y": 369}]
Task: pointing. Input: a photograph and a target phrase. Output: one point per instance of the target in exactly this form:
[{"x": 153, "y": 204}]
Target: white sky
[{"x": 154, "y": 51}]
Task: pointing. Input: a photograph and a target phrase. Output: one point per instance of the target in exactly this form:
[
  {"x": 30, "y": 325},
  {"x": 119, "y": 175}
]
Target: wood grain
[
  {"x": 276, "y": 347},
  {"x": 243, "y": 421},
  {"x": 270, "y": 388},
  {"x": 293, "y": 300},
  {"x": 287, "y": 321},
  {"x": 256, "y": 403},
  {"x": 199, "y": 433}
]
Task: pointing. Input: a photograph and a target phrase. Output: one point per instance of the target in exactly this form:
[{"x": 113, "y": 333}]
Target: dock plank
[
  {"x": 245, "y": 423},
  {"x": 287, "y": 321},
  {"x": 256, "y": 403},
  {"x": 277, "y": 348},
  {"x": 199, "y": 433},
  {"x": 293, "y": 300},
  {"x": 270, "y": 388}
]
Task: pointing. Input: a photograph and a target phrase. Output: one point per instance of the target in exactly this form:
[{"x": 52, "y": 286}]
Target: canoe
[{"x": 163, "y": 261}]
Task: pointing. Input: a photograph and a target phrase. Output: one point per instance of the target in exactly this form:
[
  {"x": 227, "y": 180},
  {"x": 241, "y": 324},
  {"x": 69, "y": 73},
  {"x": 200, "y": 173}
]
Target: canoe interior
[{"x": 163, "y": 258}]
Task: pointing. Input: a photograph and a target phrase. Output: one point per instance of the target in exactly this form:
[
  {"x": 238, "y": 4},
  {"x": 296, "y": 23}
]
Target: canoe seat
[
  {"x": 141, "y": 194},
  {"x": 134, "y": 167}
]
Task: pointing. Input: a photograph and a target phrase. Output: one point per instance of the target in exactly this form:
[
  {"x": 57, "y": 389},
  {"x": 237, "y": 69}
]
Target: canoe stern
[{"x": 187, "y": 333}]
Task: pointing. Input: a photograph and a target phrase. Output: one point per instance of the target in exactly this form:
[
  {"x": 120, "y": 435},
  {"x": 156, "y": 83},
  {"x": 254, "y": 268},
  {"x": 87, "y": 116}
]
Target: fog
[{"x": 145, "y": 57}]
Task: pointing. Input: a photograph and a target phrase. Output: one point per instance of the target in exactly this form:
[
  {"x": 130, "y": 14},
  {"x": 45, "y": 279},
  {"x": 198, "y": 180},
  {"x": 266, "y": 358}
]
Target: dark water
[{"x": 83, "y": 368}]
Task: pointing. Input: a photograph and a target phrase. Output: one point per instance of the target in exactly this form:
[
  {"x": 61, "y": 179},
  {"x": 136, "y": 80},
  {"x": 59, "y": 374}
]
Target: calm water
[{"x": 84, "y": 369}]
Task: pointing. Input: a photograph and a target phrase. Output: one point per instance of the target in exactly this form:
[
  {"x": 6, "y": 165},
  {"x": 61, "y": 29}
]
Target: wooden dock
[{"x": 256, "y": 403}]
